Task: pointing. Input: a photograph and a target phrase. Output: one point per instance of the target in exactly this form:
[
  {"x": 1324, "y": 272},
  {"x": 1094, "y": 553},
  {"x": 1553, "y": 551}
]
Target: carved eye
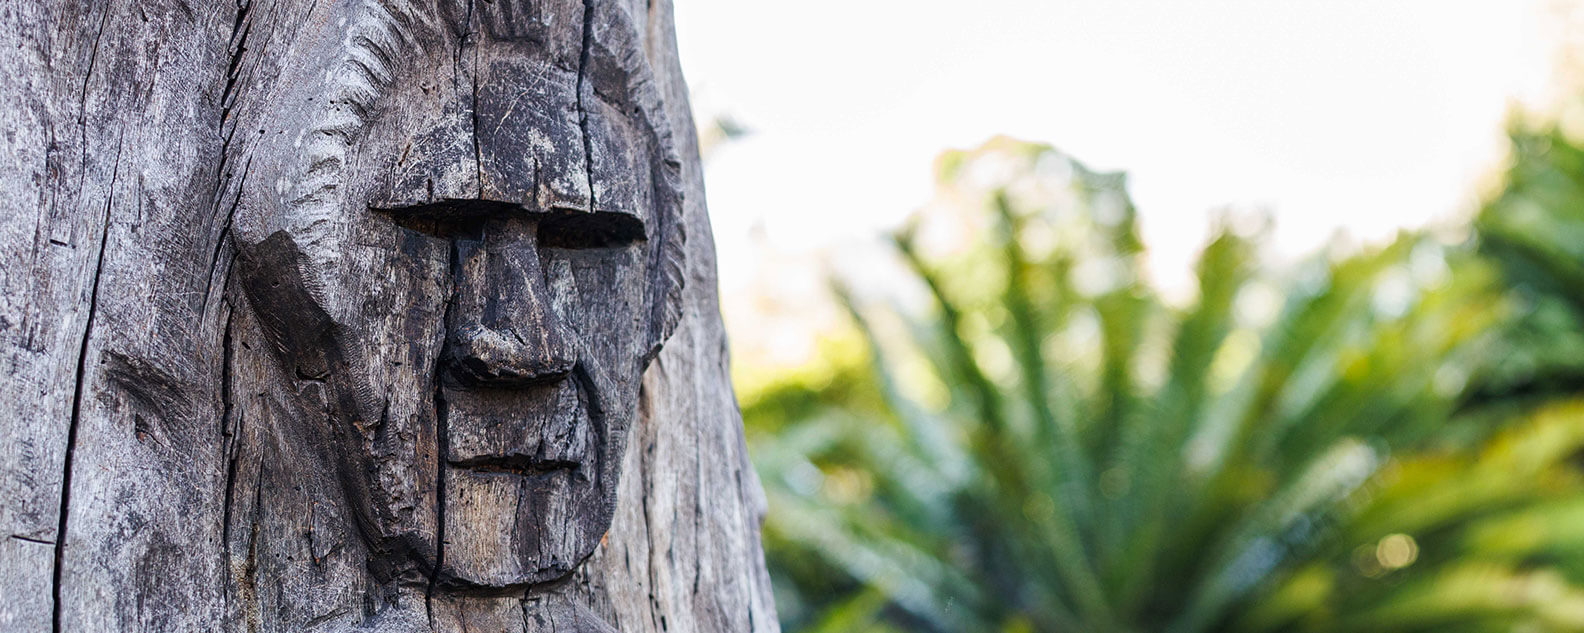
[
  {"x": 572, "y": 230},
  {"x": 582, "y": 230},
  {"x": 448, "y": 218}
]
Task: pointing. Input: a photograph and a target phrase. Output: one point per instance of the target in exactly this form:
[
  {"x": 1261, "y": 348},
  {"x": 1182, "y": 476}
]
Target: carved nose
[{"x": 504, "y": 329}]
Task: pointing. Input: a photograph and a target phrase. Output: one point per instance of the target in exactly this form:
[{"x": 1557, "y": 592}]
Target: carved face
[{"x": 460, "y": 232}]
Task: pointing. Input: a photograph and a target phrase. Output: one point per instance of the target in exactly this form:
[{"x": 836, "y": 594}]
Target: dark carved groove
[{"x": 77, "y": 389}]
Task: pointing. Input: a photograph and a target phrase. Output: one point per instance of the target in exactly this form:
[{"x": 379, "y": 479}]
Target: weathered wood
[{"x": 362, "y": 315}]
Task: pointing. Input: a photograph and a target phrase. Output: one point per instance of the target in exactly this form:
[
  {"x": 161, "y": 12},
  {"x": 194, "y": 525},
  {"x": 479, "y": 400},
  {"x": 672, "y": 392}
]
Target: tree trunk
[{"x": 362, "y": 315}]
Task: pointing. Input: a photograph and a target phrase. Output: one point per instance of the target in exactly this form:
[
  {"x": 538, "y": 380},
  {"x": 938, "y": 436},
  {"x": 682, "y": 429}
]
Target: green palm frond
[{"x": 1351, "y": 443}]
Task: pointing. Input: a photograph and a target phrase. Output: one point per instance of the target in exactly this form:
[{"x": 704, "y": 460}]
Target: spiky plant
[{"x": 1051, "y": 445}]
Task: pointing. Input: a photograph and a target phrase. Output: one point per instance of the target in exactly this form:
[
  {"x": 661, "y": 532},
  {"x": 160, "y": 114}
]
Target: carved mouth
[{"x": 515, "y": 465}]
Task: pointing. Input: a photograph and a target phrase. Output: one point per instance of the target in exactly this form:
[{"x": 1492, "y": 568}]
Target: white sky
[{"x": 1361, "y": 114}]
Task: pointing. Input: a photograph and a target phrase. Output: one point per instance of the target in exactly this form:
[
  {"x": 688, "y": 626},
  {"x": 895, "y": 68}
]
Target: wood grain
[{"x": 229, "y": 313}]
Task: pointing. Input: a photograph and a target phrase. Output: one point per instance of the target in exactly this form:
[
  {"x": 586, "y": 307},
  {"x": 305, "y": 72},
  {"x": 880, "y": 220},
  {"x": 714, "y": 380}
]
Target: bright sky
[{"x": 1364, "y": 114}]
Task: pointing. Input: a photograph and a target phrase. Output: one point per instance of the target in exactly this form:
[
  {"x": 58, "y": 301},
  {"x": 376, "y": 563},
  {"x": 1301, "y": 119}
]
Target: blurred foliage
[
  {"x": 1534, "y": 231},
  {"x": 1037, "y": 439}
]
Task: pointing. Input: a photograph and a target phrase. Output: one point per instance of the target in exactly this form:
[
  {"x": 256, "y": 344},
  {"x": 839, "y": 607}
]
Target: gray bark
[{"x": 362, "y": 316}]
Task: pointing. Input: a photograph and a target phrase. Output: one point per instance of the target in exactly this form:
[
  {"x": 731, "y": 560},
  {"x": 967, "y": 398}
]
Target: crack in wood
[
  {"x": 478, "y": 150},
  {"x": 442, "y": 450},
  {"x": 77, "y": 392},
  {"x": 231, "y": 441},
  {"x": 583, "y": 123}
]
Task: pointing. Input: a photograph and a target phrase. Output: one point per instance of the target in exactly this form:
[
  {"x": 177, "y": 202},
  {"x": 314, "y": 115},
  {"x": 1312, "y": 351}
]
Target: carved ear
[
  {"x": 668, "y": 251},
  {"x": 297, "y": 327},
  {"x": 618, "y": 70}
]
